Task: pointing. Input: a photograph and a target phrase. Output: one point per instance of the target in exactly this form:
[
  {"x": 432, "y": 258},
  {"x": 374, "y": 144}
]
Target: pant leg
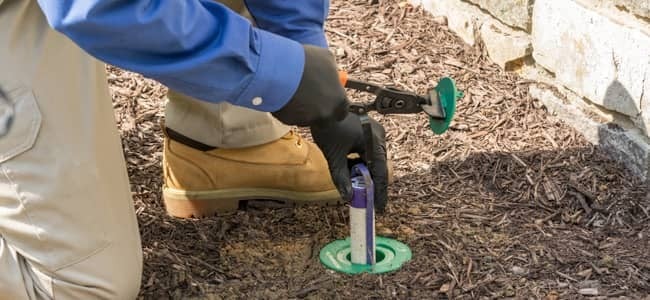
[
  {"x": 222, "y": 125},
  {"x": 67, "y": 224}
]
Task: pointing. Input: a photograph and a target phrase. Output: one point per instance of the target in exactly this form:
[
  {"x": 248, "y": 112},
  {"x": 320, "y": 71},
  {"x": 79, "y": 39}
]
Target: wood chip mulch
[{"x": 509, "y": 203}]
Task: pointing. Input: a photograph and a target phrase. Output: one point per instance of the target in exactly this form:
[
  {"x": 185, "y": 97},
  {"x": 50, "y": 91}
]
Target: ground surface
[{"x": 508, "y": 203}]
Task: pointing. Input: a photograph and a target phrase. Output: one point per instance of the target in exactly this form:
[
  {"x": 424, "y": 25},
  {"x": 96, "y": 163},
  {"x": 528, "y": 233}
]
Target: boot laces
[{"x": 293, "y": 135}]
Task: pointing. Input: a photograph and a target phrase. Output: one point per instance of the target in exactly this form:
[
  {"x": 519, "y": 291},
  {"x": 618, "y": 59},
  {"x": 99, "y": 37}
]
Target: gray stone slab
[
  {"x": 463, "y": 18},
  {"x": 503, "y": 44},
  {"x": 515, "y": 13},
  {"x": 598, "y": 58},
  {"x": 628, "y": 145},
  {"x": 638, "y": 7}
]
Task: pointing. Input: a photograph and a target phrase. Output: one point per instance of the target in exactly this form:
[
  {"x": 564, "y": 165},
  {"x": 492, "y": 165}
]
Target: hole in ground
[{"x": 379, "y": 256}]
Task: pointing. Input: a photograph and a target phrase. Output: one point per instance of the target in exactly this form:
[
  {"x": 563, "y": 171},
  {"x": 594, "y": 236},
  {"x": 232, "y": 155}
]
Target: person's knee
[
  {"x": 126, "y": 283},
  {"x": 121, "y": 265},
  {"x": 114, "y": 273},
  {"x": 124, "y": 279}
]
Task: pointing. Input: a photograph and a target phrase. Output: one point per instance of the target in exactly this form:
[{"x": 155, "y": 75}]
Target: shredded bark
[{"x": 509, "y": 203}]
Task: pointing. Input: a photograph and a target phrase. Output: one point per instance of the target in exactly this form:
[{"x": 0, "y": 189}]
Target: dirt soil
[{"x": 509, "y": 203}]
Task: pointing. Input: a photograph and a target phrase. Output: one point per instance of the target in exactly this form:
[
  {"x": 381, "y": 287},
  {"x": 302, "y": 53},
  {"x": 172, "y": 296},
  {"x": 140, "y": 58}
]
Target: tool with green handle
[{"x": 439, "y": 104}]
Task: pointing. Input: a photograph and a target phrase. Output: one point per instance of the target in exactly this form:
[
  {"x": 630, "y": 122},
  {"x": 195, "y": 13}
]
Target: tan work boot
[{"x": 201, "y": 182}]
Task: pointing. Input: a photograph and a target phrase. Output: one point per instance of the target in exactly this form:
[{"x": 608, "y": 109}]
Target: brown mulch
[{"x": 509, "y": 203}]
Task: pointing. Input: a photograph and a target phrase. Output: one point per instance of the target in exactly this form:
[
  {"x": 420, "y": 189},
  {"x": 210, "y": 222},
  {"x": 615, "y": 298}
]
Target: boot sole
[{"x": 199, "y": 204}]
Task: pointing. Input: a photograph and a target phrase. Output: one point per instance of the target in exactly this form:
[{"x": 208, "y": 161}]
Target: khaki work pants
[{"x": 68, "y": 229}]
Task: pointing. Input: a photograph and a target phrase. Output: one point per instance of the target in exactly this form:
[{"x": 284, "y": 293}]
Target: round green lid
[{"x": 390, "y": 256}]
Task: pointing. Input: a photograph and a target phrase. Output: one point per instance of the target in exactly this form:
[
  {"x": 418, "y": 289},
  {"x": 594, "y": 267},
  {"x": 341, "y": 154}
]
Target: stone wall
[{"x": 590, "y": 59}]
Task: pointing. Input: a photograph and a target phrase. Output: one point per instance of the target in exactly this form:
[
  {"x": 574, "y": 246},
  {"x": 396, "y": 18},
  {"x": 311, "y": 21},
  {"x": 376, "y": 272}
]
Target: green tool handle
[{"x": 439, "y": 105}]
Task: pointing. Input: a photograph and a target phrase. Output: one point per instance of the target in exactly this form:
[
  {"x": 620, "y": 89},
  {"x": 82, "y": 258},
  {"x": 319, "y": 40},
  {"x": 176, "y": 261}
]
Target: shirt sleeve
[
  {"x": 197, "y": 47},
  {"x": 302, "y": 20}
]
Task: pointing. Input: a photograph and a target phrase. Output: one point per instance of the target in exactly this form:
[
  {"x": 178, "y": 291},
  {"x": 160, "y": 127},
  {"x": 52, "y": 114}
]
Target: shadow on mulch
[{"x": 474, "y": 231}]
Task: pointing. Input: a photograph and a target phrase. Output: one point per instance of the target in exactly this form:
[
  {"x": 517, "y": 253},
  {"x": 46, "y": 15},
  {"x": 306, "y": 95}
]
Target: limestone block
[
  {"x": 622, "y": 9},
  {"x": 638, "y": 7},
  {"x": 626, "y": 145},
  {"x": 516, "y": 13},
  {"x": 503, "y": 44},
  {"x": 599, "y": 59},
  {"x": 645, "y": 114},
  {"x": 463, "y": 18}
]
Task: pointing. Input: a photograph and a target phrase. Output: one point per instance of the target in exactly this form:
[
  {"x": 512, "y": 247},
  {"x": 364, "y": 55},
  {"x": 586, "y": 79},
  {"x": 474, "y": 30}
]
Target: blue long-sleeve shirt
[{"x": 200, "y": 47}]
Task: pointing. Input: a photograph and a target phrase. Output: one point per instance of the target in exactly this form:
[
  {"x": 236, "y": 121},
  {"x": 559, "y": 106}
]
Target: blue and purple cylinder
[{"x": 362, "y": 218}]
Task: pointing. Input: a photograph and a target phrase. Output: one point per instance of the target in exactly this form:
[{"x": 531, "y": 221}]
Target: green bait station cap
[
  {"x": 390, "y": 256},
  {"x": 447, "y": 93}
]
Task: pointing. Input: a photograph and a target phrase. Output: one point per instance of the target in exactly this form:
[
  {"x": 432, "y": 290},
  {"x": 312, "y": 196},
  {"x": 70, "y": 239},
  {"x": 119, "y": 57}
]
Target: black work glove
[
  {"x": 338, "y": 139},
  {"x": 320, "y": 97}
]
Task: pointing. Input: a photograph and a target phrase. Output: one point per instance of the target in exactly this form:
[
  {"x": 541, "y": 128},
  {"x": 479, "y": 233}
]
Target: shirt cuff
[
  {"x": 279, "y": 72},
  {"x": 313, "y": 38}
]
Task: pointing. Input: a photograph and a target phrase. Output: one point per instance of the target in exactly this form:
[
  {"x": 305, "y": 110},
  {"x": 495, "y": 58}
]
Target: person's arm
[
  {"x": 302, "y": 21},
  {"x": 197, "y": 47}
]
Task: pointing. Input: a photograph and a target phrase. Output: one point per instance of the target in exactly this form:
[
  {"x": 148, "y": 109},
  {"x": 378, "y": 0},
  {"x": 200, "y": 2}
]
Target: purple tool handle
[{"x": 361, "y": 171}]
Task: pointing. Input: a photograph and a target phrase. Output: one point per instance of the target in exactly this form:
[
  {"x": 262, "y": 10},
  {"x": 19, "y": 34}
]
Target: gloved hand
[
  {"x": 338, "y": 139},
  {"x": 320, "y": 97}
]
